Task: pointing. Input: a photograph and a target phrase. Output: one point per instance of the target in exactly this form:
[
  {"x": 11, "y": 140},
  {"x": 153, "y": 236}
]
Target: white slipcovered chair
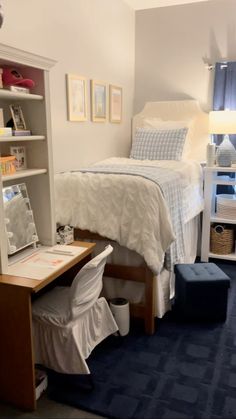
[{"x": 68, "y": 322}]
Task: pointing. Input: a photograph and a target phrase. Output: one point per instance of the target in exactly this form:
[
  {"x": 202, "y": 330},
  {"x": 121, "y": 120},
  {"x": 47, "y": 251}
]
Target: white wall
[
  {"x": 92, "y": 38},
  {"x": 172, "y": 46}
]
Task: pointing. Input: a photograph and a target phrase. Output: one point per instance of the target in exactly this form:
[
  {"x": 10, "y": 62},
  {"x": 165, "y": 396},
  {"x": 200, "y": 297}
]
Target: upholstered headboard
[{"x": 180, "y": 110}]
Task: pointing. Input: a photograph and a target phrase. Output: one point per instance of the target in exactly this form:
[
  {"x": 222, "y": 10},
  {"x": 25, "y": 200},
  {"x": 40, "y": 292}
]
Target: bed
[{"x": 148, "y": 209}]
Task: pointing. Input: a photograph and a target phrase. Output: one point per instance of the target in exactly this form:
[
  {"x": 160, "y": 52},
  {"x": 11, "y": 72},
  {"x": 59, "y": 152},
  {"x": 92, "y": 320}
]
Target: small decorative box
[{"x": 7, "y": 165}]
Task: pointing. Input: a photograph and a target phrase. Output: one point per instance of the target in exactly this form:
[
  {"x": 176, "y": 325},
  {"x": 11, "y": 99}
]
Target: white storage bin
[
  {"x": 226, "y": 206},
  {"x": 120, "y": 310}
]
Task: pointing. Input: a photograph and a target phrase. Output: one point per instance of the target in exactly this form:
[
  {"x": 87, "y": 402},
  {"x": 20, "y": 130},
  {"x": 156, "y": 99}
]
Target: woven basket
[{"x": 222, "y": 239}]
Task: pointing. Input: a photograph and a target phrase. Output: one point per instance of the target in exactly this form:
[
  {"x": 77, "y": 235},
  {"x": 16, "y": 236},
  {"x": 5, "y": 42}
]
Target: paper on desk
[
  {"x": 68, "y": 250},
  {"x": 44, "y": 260},
  {"x": 42, "y": 263}
]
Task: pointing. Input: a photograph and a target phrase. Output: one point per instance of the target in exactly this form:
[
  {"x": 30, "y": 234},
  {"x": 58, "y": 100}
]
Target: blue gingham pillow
[{"x": 153, "y": 144}]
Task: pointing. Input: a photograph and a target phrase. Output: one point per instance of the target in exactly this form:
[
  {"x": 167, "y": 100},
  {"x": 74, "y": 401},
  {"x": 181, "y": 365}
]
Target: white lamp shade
[{"x": 222, "y": 122}]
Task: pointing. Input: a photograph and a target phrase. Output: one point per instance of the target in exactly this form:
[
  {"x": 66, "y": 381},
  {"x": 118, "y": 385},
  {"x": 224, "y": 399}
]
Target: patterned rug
[{"x": 186, "y": 370}]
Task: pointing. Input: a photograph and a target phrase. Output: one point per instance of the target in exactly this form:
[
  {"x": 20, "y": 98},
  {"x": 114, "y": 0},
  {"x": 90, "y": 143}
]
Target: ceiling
[{"x": 149, "y": 4}]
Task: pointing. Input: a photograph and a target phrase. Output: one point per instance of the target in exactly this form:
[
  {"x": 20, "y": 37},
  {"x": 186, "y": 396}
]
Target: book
[
  {"x": 5, "y": 132},
  {"x": 20, "y": 89},
  {"x": 21, "y": 132}
]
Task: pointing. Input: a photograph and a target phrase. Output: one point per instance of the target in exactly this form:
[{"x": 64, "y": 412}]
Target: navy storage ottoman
[{"x": 201, "y": 291}]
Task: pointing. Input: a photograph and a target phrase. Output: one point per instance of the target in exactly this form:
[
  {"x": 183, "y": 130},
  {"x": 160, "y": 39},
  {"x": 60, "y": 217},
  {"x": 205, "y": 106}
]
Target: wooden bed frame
[{"x": 131, "y": 273}]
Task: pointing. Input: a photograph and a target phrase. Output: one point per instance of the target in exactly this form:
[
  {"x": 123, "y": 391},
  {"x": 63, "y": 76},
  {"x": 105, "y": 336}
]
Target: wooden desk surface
[{"x": 34, "y": 285}]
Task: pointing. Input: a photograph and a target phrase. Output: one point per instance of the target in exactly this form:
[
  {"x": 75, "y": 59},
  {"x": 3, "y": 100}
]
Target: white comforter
[{"x": 128, "y": 209}]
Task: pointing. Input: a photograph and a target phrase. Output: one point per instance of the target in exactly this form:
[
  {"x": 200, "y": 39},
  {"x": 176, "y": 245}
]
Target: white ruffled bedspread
[{"x": 128, "y": 209}]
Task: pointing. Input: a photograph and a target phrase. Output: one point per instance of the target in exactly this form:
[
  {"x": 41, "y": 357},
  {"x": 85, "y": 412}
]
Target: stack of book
[
  {"x": 21, "y": 132},
  {"x": 19, "y": 89},
  {"x": 5, "y": 132}
]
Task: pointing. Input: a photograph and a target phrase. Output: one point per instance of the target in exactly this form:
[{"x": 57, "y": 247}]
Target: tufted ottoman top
[{"x": 197, "y": 272}]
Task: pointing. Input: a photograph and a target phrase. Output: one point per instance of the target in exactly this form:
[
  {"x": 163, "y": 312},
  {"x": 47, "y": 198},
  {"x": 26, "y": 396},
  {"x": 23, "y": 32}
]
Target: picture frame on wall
[
  {"x": 115, "y": 100},
  {"x": 17, "y": 116},
  {"x": 98, "y": 101},
  {"x": 77, "y": 97}
]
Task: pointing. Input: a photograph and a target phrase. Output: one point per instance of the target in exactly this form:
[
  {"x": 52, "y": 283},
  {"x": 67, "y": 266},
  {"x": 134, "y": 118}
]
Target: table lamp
[{"x": 224, "y": 122}]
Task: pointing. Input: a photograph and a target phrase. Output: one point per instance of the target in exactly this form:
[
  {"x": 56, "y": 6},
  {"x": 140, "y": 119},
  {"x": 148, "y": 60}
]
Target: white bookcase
[
  {"x": 211, "y": 180},
  {"x": 38, "y": 176}
]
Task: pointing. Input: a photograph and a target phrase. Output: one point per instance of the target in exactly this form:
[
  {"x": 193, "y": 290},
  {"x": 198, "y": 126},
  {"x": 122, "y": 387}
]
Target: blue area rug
[{"x": 185, "y": 370}]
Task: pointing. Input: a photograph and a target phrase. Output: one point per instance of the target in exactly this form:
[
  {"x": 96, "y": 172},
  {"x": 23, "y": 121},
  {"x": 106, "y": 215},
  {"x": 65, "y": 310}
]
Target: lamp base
[{"x": 226, "y": 153}]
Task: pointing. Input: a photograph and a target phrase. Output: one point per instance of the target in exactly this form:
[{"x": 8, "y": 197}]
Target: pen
[{"x": 60, "y": 252}]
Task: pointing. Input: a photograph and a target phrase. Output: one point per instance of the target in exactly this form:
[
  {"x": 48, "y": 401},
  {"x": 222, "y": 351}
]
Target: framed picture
[
  {"x": 17, "y": 116},
  {"x": 77, "y": 97},
  {"x": 20, "y": 154},
  {"x": 115, "y": 100},
  {"x": 99, "y": 101}
]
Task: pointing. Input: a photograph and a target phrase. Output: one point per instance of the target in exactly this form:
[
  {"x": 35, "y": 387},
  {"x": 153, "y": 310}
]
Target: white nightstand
[{"x": 211, "y": 180}]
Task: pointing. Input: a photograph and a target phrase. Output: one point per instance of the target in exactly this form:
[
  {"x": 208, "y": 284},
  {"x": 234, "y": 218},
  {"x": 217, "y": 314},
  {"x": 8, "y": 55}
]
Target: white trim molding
[{"x": 15, "y": 55}]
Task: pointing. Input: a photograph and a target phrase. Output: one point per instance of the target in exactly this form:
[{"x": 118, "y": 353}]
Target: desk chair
[{"x": 68, "y": 322}]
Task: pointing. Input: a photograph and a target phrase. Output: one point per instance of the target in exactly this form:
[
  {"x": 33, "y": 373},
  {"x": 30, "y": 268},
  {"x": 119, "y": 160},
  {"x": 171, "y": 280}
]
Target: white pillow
[
  {"x": 160, "y": 124},
  {"x": 154, "y": 144}
]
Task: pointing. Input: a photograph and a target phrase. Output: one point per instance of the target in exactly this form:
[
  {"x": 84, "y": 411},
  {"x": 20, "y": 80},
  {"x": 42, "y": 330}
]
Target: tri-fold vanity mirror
[{"x": 19, "y": 220}]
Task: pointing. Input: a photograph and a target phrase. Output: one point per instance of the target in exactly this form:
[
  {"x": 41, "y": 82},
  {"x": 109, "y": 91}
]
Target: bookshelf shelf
[
  {"x": 8, "y": 94},
  {"x": 13, "y": 139},
  {"x": 23, "y": 173}
]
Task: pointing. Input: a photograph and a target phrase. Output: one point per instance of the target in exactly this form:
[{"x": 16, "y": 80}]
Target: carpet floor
[{"x": 185, "y": 370}]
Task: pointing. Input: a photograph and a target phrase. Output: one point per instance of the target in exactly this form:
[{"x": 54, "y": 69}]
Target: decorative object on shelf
[
  {"x": 65, "y": 235},
  {"x": 19, "y": 219},
  {"x": 115, "y": 101},
  {"x": 210, "y": 154},
  {"x": 13, "y": 77},
  {"x": 222, "y": 239},
  {"x": 17, "y": 116},
  {"x": 77, "y": 97},
  {"x": 7, "y": 165},
  {"x": 99, "y": 101},
  {"x": 20, "y": 154},
  {"x": 224, "y": 122}
]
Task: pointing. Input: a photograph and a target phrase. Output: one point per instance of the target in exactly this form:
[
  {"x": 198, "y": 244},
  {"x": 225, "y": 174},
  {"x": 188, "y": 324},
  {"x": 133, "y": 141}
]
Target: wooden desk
[{"x": 17, "y": 375}]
